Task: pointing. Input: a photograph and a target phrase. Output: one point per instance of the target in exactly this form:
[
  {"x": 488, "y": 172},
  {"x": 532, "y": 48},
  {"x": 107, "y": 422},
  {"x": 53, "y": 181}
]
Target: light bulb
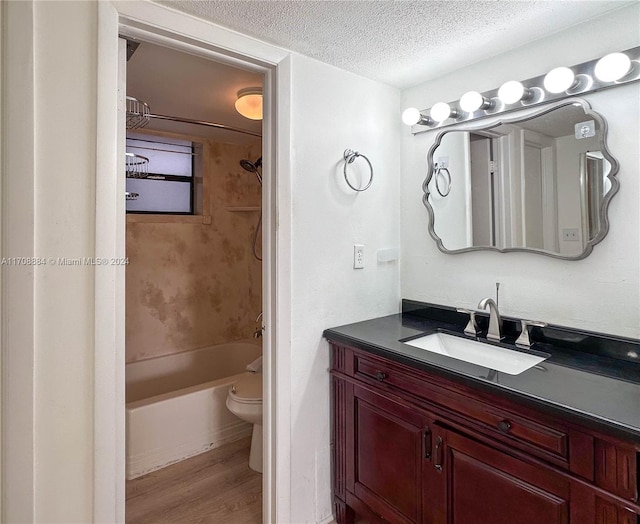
[
  {"x": 249, "y": 103},
  {"x": 472, "y": 101},
  {"x": 559, "y": 79},
  {"x": 440, "y": 111},
  {"x": 411, "y": 116},
  {"x": 511, "y": 92},
  {"x": 612, "y": 67}
]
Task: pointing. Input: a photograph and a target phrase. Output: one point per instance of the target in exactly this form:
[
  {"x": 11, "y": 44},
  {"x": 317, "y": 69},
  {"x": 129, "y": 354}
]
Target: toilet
[{"x": 245, "y": 402}]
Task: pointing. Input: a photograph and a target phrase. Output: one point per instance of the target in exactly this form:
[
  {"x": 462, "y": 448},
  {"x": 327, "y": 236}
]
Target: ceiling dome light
[
  {"x": 472, "y": 101},
  {"x": 412, "y": 116},
  {"x": 612, "y": 67},
  {"x": 249, "y": 103},
  {"x": 512, "y": 91},
  {"x": 559, "y": 79},
  {"x": 441, "y": 111}
]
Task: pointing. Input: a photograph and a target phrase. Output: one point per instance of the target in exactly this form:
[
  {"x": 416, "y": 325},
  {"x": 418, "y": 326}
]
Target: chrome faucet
[{"x": 495, "y": 322}]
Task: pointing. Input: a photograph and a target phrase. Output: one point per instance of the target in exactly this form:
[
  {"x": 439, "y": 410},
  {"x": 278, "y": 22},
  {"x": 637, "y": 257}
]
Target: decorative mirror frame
[{"x": 511, "y": 119}]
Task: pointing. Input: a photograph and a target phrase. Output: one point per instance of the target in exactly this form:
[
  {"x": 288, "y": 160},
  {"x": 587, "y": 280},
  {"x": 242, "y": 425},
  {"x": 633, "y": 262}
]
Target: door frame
[{"x": 154, "y": 23}]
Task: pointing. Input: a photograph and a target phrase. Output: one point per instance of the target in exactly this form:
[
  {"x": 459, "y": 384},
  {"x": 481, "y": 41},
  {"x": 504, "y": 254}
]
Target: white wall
[
  {"x": 65, "y": 114},
  {"x": 48, "y": 322},
  {"x": 601, "y": 292},
  {"x": 333, "y": 110}
]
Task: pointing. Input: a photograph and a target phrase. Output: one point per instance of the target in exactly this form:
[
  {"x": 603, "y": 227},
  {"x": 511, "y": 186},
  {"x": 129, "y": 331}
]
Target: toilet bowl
[{"x": 245, "y": 402}]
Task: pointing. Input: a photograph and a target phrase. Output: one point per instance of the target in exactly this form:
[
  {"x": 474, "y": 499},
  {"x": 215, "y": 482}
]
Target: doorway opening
[{"x": 194, "y": 300}]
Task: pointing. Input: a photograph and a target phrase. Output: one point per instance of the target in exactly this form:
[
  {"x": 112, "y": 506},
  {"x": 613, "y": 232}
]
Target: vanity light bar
[{"x": 611, "y": 70}]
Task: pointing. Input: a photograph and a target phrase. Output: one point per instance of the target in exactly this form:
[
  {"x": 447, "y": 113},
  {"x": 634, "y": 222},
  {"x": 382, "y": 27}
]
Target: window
[{"x": 169, "y": 187}]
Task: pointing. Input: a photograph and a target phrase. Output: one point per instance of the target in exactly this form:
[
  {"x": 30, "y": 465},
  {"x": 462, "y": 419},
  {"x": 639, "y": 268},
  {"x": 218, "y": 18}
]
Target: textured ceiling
[{"x": 401, "y": 42}]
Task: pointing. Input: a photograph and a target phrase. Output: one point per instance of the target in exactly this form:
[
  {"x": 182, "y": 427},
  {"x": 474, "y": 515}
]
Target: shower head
[{"x": 248, "y": 165}]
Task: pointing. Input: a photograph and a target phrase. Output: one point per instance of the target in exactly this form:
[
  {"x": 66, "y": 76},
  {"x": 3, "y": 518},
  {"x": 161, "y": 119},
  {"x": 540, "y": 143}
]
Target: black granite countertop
[{"x": 592, "y": 378}]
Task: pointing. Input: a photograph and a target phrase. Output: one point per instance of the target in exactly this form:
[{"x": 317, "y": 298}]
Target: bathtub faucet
[{"x": 258, "y": 332}]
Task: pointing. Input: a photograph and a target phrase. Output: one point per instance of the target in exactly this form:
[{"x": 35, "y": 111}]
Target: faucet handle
[
  {"x": 523, "y": 340},
  {"x": 472, "y": 327}
]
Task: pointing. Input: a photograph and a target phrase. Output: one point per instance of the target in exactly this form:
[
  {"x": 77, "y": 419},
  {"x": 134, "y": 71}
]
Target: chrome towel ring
[
  {"x": 442, "y": 173},
  {"x": 349, "y": 157}
]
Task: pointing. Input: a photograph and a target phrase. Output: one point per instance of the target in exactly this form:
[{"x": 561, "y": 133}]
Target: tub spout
[{"x": 258, "y": 332}]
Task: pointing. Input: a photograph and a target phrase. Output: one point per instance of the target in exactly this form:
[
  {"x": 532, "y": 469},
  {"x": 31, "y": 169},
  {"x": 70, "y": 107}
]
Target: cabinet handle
[
  {"x": 504, "y": 426},
  {"x": 438, "y": 464},
  {"x": 380, "y": 376},
  {"x": 426, "y": 443}
]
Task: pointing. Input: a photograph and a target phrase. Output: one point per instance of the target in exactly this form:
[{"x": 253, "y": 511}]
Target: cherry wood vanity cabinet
[{"x": 410, "y": 446}]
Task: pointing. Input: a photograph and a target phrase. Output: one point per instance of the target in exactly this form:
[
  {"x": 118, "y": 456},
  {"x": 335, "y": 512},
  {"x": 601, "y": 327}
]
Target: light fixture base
[{"x": 585, "y": 82}]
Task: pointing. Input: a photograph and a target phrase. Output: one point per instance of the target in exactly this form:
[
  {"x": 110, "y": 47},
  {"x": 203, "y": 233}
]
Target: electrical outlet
[
  {"x": 358, "y": 256},
  {"x": 570, "y": 235}
]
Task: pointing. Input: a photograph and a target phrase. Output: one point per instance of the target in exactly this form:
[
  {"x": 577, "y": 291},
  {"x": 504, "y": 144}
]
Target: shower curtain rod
[{"x": 203, "y": 123}]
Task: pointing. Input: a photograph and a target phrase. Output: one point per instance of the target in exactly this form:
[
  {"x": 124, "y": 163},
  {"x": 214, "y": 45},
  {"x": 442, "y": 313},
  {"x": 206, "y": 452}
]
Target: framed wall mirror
[{"x": 539, "y": 183}]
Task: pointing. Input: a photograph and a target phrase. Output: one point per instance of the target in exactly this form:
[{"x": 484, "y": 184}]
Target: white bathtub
[{"x": 176, "y": 405}]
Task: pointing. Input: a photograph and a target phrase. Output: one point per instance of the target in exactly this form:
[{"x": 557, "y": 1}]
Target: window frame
[{"x": 183, "y": 179}]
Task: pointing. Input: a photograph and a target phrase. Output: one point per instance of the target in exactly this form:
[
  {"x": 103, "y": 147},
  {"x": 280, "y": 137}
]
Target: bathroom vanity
[{"x": 422, "y": 437}]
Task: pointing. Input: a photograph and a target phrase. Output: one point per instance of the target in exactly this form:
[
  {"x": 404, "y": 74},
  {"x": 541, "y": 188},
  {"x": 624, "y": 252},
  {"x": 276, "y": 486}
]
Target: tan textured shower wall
[{"x": 190, "y": 283}]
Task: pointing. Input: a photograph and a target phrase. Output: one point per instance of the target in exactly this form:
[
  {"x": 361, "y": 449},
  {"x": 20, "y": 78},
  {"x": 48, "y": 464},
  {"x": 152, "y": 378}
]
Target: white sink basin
[{"x": 485, "y": 355}]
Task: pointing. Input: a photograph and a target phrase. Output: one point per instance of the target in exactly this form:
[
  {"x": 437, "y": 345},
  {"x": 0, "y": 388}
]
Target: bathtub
[{"x": 176, "y": 405}]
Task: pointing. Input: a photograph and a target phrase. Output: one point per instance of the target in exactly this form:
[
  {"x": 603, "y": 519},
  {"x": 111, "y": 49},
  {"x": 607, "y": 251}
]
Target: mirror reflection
[{"x": 540, "y": 184}]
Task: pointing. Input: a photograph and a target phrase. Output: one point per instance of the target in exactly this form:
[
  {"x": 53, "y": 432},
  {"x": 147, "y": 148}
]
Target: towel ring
[
  {"x": 350, "y": 157},
  {"x": 440, "y": 173}
]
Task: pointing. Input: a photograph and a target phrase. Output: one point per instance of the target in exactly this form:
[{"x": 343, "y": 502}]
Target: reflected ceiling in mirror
[{"x": 539, "y": 183}]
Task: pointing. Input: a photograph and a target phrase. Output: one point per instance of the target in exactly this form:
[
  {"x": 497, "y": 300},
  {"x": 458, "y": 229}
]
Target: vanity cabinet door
[
  {"x": 607, "y": 512},
  {"x": 390, "y": 454},
  {"x": 482, "y": 485}
]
